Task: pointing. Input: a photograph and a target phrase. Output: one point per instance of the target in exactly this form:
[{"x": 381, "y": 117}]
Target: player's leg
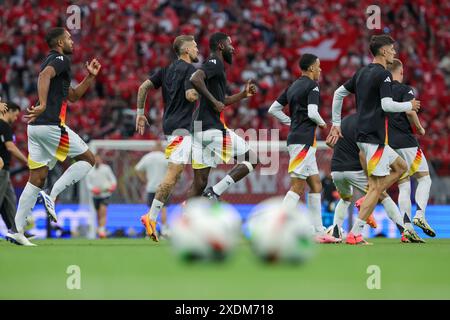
[
  {"x": 233, "y": 146},
  {"x": 28, "y": 199},
  {"x": 199, "y": 182},
  {"x": 77, "y": 171},
  {"x": 101, "y": 218},
  {"x": 294, "y": 194},
  {"x": 345, "y": 190},
  {"x": 384, "y": 167},
  {"x": 420, "y": 172}
]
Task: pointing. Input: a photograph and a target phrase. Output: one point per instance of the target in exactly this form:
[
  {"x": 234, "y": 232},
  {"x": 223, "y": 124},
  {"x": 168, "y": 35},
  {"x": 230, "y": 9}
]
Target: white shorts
[
  {"x": 302, "y": 163},
  {"x": 346, "y": 180},
  {"x": 415, "y": 159},
  {"x": 49, "y": 144},
  {"x": 378, "y": 158},
  {"x": 213, "y": 147},
  {"x": 179, "y": 149}
]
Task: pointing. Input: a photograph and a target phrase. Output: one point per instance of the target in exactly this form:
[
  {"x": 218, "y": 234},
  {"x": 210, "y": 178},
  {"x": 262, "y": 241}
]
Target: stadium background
[{"x": 133, "y": 38}]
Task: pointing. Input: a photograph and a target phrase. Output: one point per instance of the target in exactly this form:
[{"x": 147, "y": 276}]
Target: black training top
[
  {"x": 346, "y": 152},
  {"x": 400, "y": 131},
  {"x": 174, "y": 81},
  {"x": 6, "y": 135},
  {"x": 55, "y": 112},
  {"x": 371, "y": 84},
  {"x": 216, "y": 83},
  {"x": 299, "y": 94}
]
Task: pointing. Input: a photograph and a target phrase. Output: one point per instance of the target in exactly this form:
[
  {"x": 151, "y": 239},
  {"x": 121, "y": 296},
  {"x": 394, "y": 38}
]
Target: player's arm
[
  {"x": 1, "y": 163},
  {"x": 43, "y": 86},
  {"x": 93, "y": 68},
  {"x": 12, "y": 148},
  {"x": 249, "y": 90},
  {"x": 141, "y": 119},
  {"x": 336, "y": 109},
  {"x": 313, "y": 107},
  {"x": 387, "y": 103},
  {"x": 198, "y": 82},
  {"x": 276, "y": 109},
  {"x": 414, "y": 121}
]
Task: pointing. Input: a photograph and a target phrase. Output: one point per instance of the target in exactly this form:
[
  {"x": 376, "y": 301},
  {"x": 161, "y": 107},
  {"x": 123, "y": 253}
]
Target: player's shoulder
[{"x": 213, "y": 61}]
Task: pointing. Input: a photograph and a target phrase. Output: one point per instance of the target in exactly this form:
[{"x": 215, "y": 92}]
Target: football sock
[
  {"x": 26, "y": 203},
  {"x": 392, "y": 211},
  {"x": 315, "y": 209},
  {"x": 155, "y": 209},
  {"x": 72, "y": 175},
  {"x": 358, "y": 227},
  {"x": 422, "y": 195},
  {"x": 341, "y": 212},
  {"x": 290, "y": 200},
  {"x": 404, "y": 202},
  {"x": 223, "y": 185}
]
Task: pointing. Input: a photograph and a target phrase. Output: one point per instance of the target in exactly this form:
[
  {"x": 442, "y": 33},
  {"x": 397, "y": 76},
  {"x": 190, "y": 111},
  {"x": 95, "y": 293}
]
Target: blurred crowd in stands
[{"x": 132, "y": 38}]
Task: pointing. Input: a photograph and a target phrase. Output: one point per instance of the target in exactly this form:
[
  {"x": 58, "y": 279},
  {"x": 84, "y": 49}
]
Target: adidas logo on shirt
[
  {"x": 411, "y": 92},
  {"x": 316, "y": 89},
  {"x": 387, "y": 79},
  {"x": 213, "y": 61},
  {"x": 60, "y": 58}
]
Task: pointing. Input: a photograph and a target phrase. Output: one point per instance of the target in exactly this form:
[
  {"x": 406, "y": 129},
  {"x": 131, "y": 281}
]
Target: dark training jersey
[
  {"x": 400, "y": 131},
  {"x": 346, "y": 152},
  {"x": 216, "y": 83},
  {"x": 370, "y": 84},
  {"x": 300, "y": 93},
  {"x": 55, "y": 112},
  {"x": 6, "y": 135},
  {"x": 174, "y": 81}
]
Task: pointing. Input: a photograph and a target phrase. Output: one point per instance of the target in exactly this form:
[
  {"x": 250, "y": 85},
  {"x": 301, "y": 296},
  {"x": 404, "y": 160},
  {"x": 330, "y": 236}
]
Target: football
[
  {"x": 279, "y": 235},
  {"x": 206, "y": 230}
]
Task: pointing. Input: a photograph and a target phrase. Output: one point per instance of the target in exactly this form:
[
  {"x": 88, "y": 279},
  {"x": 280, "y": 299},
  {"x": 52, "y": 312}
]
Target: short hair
[
  {"x": 306, "y": 61},
  {"x": 12, "y": 106},
  {"x": 379, "y": 41},
  {"x": 180, "y": 41},
  {"x": 216, "y": 39},
  {"x": 53, "y": 36},
  {"x": 394, "y": 65}
]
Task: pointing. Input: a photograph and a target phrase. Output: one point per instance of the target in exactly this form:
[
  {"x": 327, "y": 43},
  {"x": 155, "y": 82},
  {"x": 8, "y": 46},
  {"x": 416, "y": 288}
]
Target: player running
[
  {"x": 348, "y": 173},
  {"x": 303, "y": 97},
  {"x": 213, "y": 142},
  {"x": 179, "y": 98},
  {"x": 372, "y": 85},
  {"x": 49, "y": 138},
  {"x": 402, "y": 140}
]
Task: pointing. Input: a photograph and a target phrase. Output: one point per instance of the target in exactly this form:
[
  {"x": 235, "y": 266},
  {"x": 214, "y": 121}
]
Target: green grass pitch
[{"x": 141, "y": 269}]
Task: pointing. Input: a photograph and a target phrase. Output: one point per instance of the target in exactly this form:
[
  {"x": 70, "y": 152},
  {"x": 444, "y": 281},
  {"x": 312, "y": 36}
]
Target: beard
[
  {"x": 194, "y": 60},
  {"x": 67, "y": 50},
  {"x": 227, "y": 56}
]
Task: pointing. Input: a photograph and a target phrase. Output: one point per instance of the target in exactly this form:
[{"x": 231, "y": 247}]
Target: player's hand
[
  {"x": 329, "y": 141},
  {"x": 141, "y": 122},
  {"x": 415, "y": 105},
  {"x": 421, "y": 130},
  {"x": 219, "y": 106},
  {"x": 34, "y": 112},
  {"x": 250, "y": 88},
  {"x": 334, "y": 135},
  {"x": 112, "y": 188},
  {"x": 93, "y": 67},
  {"x": 96, "y": 191},
  {"x": 3, "y": 106}
]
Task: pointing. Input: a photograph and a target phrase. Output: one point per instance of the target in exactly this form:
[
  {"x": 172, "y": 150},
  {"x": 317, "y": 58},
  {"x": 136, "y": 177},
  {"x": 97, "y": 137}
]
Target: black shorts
[
  {"x": 151, "y": 196},
  {"x": 99, "y": 201}
]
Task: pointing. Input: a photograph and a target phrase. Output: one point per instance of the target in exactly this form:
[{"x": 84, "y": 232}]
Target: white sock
[
  {"x": 422, "y": 195},
  {"x": 341, "y": 212},
  {"x": 393, "y": 212},
  {"x": 155, "y": 209},
  {"x": 358, "y": 227},
  {"x": 404, "y": 202},
  {"x": 72, "y": 175},
  {"x": 26, "y": 203},
  {"x": 223, "y": 185},
  {"x": 315, "y": 209},
  {"x": 290, "y": 200}
]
